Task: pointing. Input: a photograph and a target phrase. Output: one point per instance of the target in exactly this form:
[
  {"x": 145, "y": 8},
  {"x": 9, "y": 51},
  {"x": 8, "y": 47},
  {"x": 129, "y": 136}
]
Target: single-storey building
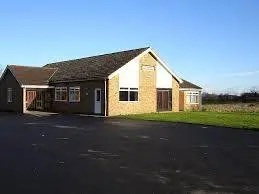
[
  {"x": 126, "y": 82},
  {"x": 190, "y": 96}
]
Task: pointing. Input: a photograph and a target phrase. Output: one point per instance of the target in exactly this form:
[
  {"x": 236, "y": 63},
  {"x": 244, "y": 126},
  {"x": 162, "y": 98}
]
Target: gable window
[
  {"x": 193, "y": 97},
  {"x": 74, "y": 94},
  {"x": 9, "y": 95},
  {"x": 128, "y": 94},
  {"x": 61, "y": 94}
]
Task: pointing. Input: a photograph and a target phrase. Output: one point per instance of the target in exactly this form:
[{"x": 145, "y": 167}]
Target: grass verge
[{"x": 231, "y": 119}]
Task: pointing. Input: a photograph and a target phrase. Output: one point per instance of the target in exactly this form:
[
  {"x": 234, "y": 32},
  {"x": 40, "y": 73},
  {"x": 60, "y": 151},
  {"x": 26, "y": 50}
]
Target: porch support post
[
  {"x": 200, "y": 94},
  {"x": 24, "y": 100},
  {"x": 105, "y": 98}
]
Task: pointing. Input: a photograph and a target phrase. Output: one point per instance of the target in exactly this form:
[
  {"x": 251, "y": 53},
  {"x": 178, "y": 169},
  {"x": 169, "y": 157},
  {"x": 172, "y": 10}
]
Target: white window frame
[
  {"x": 9, "y": 95},
  {"x": 126, "y": 89},
  {"x": 60, "y": 88},
  {"x": 189, "y": 97},
  {"x": 70, "y": 95}
]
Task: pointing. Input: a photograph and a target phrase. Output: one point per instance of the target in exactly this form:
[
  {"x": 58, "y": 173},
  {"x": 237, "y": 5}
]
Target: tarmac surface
[{"x": 71, "y": 154}]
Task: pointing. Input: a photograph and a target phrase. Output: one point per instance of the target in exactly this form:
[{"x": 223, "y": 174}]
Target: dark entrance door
[{"x": 164, "y": 100}]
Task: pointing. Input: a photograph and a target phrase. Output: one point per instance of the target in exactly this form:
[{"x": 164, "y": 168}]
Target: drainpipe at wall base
[{"x": 105, "y": 98}]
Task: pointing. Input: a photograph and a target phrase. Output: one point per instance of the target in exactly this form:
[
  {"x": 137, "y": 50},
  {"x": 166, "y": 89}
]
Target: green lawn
[{"x": 233, "y": 119}]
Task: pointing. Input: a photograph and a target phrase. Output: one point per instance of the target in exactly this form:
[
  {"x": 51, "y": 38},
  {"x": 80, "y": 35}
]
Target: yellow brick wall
[
  {"x": 175, "y": 96},
  {"x": 147, "y": 91},
  {"x": 181, "y": 100}
]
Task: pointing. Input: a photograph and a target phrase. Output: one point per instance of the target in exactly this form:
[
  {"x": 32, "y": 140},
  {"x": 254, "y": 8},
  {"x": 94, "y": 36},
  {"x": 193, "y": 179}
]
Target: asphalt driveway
[{"x": 78, "y": 154}]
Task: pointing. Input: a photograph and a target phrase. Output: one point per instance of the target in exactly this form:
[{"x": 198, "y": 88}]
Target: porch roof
[
  {"x": 188, "y": 85},
  {"x": 36, "y": 76}
]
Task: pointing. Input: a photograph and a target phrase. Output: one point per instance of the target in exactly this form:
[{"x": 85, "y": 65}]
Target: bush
[{"x": 238, "y": 107}]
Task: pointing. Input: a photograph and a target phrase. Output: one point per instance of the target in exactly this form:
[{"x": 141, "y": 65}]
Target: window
[
  {"x": 74, "y": 94},
  {"x": 98, "y": 95},
  {"x": 9, "y": 95},
  {"x": 61, "y": 94},
  {"x": 193, "y": 97},
  {"x": 128, "y": 94}
]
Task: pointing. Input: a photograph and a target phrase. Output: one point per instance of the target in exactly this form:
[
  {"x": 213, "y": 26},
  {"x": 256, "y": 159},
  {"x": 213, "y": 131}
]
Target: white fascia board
[
  {"x": 165, "y": 66},
  {"x": 142, "y": 54},
  {"x": 190, "y": 89},
  {"x": 37, "y": 86}
]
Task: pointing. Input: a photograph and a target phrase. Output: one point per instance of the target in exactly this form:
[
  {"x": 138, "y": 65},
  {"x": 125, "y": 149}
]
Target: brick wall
[
  {"x": 175, "y": 96},
  {"x": 147, "y": 91},
  {"x": 9, "y": 81},
  {"x": 181, "y": 100}
]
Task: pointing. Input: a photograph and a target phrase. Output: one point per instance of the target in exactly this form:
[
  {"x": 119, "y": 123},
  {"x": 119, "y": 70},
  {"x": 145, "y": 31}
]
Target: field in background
[
  {"x": 228, "y": 119},
  {"x": 232, "y": 107}
]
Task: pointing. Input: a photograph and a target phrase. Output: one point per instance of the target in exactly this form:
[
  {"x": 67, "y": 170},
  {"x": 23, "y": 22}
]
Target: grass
[{"x": 227, "y": 119}]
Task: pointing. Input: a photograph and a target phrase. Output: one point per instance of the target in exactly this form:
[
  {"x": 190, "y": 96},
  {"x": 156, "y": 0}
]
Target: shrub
[{"x": 238, "y": 107}]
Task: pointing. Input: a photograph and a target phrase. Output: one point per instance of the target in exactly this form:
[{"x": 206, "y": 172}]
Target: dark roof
[
  {"x": 31, "y": 75},
  {"x": 186, "y": 84},
  {"x": 92, "y": 68}
]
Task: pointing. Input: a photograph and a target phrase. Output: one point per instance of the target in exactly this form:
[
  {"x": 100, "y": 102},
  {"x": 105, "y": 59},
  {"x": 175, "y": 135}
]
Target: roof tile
[
  {"x": 92, "y": 68},
  {"x": 26, "y": 75},
  {"x": 186, "y": 84}
]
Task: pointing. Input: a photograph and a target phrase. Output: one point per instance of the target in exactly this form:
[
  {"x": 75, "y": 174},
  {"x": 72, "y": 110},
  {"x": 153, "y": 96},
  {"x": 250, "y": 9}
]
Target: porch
[{"x": 36, "y": 98}]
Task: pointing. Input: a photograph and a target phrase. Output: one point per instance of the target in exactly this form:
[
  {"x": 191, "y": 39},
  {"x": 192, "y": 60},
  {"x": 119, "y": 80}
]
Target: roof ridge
[
  {"x": 31, "y": 66},
  {"x": 98, "y": 55}
]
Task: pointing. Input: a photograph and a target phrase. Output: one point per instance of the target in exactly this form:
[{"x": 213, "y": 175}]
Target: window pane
[
  {"x": 189, "y": 98},
  {"x": 77, "y": 95},
  {"x": 124, "y": 95},
  {"x": 63, "y": 95},
  {"x": 133, "y": 96},
  {"x": 98, "y": 95},
  {"x": 74, "y": 94},
  {"x": 58, "y": 95},
  {"x": 9, "y": 95},
  {"x": 193, "y": 98}
]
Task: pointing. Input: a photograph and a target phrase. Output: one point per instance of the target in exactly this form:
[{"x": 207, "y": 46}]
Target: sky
[{"x": 214, "y": 43}]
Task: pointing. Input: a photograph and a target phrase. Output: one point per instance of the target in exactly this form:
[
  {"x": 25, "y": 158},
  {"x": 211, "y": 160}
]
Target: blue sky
[{"x": 212, "y": 43}]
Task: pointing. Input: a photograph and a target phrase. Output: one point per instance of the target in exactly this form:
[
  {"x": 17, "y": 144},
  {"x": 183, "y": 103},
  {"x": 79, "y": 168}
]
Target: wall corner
[{"x": 175, "y": 95}]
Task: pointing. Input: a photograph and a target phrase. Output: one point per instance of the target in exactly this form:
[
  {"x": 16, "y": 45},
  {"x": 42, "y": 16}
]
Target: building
[
  {"x": 190, "y": 96},
  {"x": 126, "y": 82}
]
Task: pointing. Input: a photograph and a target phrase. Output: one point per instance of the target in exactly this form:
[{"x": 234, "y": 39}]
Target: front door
[
  {"x": 164, "y": 100},
  {"x": 39, "y": 100},
  {"x": 97, "y": 101}
]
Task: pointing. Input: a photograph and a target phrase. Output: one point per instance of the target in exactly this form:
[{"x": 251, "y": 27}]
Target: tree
[{"x": 251, "y": 96}]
